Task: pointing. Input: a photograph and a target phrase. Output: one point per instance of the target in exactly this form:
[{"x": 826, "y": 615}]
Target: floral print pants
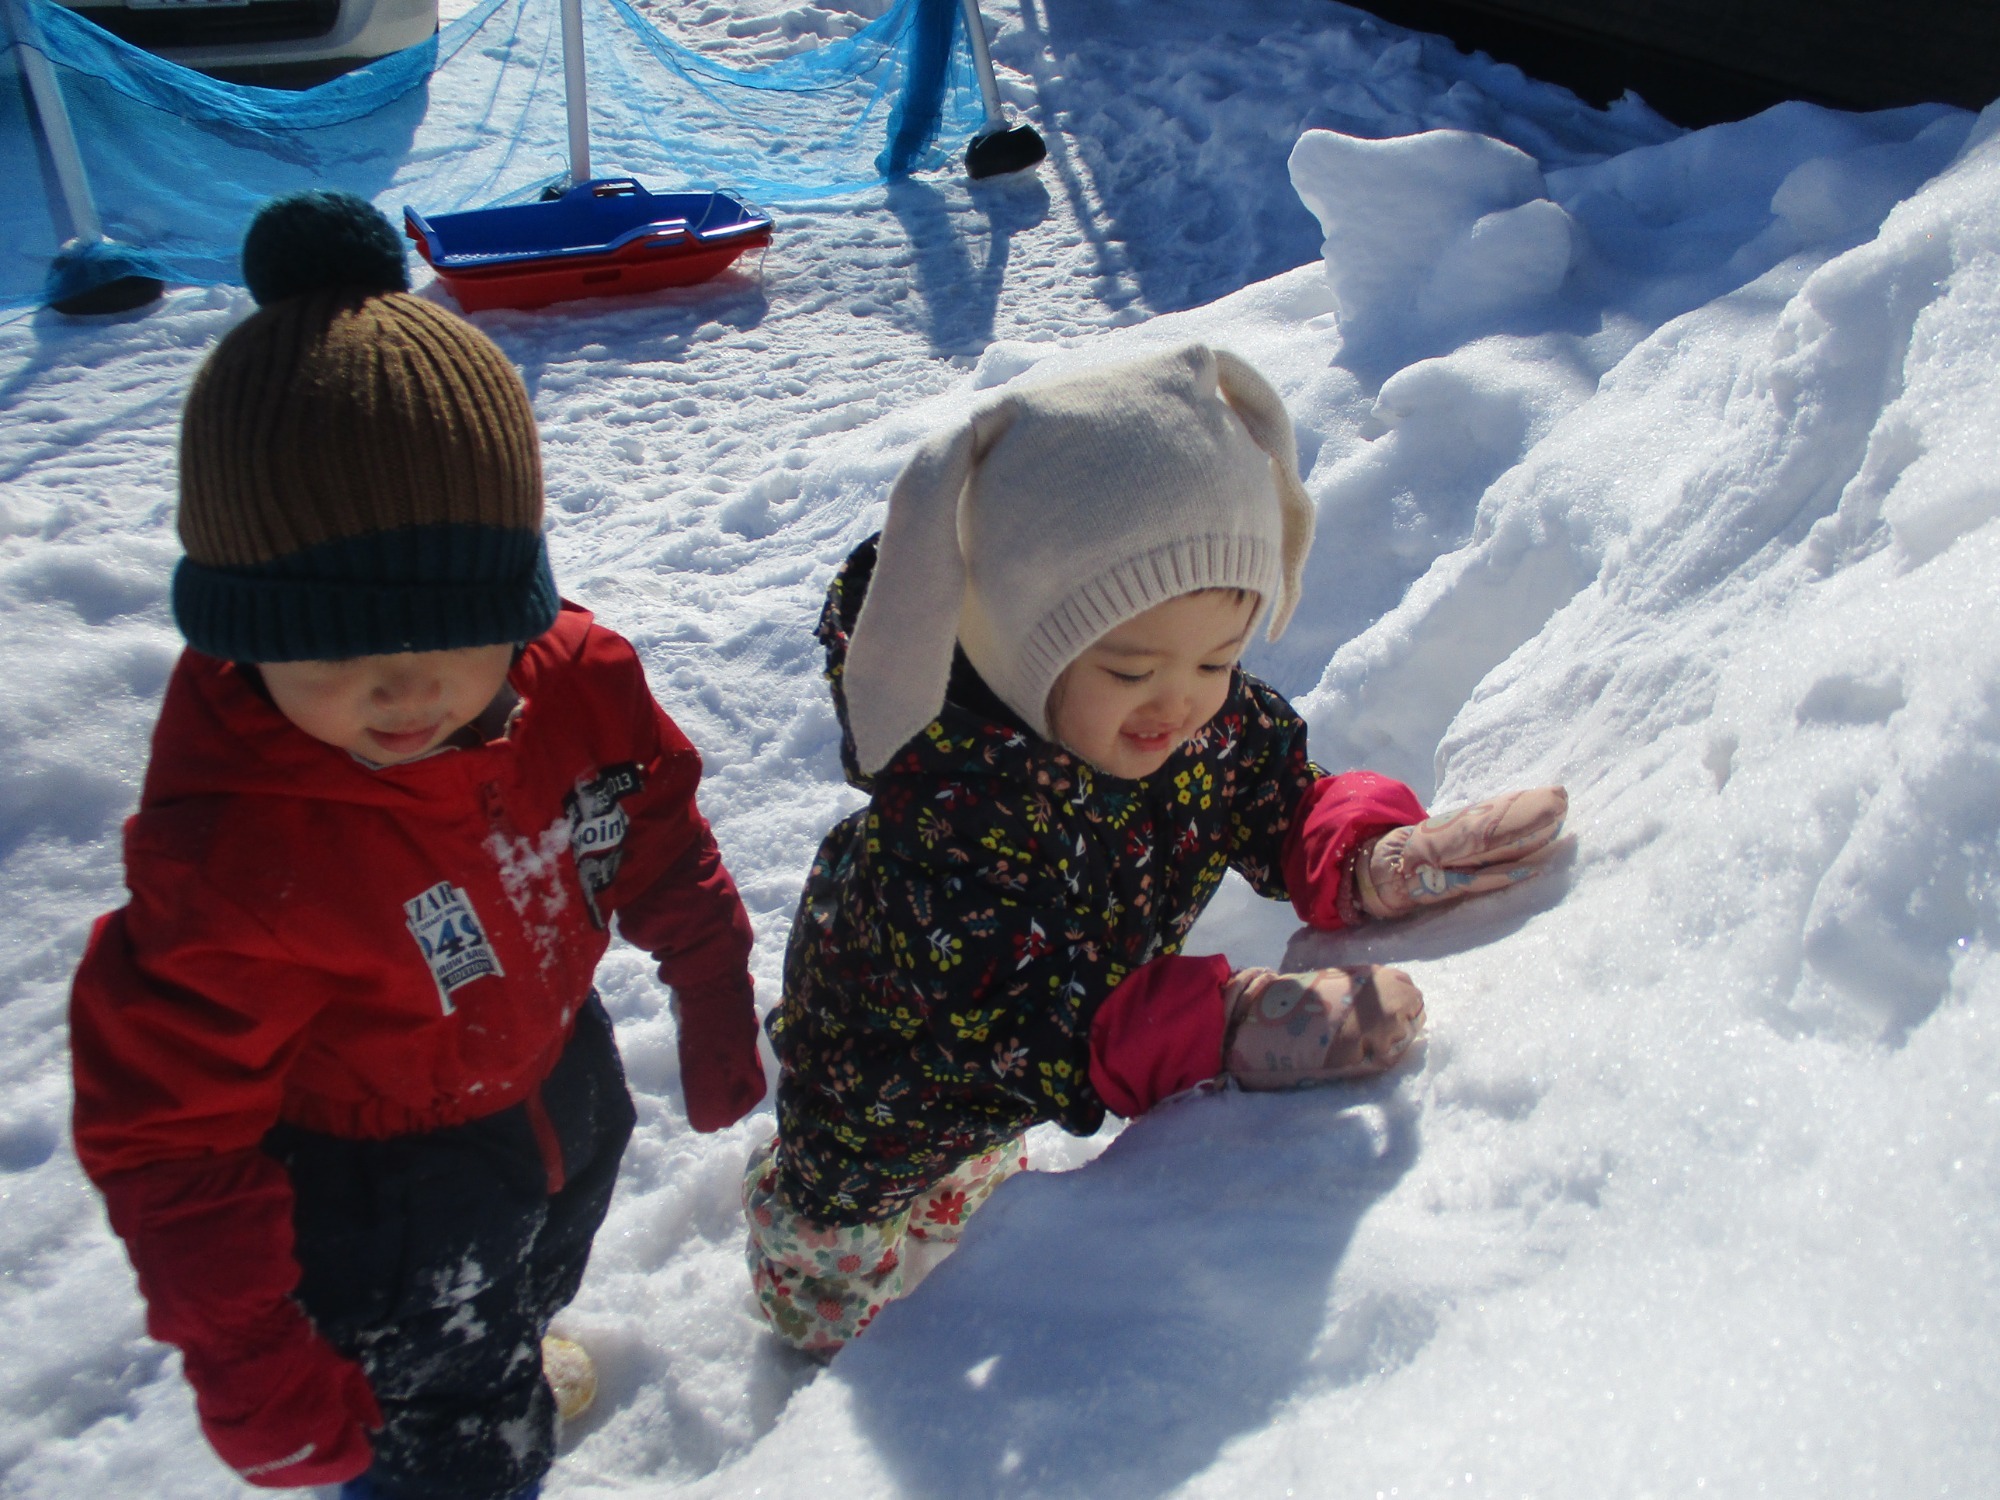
[{"x": 819, "y": 1285}]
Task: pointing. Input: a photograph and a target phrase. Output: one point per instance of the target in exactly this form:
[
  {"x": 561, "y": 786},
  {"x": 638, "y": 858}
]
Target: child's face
[
  {"x": 388, "y": 709},
  {"x": 1142, "y": 691}
]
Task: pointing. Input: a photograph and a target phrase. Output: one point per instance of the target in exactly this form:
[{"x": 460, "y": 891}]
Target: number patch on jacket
[{"x": 453, "y": 943}]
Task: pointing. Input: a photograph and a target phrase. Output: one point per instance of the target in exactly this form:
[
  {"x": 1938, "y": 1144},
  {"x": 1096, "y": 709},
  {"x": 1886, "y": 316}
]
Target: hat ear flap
[
  {"x": 1263, "y": 414},
  {"x": 899, "y": 658}
]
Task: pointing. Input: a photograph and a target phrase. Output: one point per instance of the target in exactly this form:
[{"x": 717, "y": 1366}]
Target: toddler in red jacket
[{"x": 340, "y": 1071}]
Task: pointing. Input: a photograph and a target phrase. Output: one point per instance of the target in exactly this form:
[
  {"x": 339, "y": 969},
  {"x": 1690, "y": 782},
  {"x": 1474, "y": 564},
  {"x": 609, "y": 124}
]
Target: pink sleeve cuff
[
  {"x": 1334, "y": 819},
  {"x": 1159, "y": 1032}
]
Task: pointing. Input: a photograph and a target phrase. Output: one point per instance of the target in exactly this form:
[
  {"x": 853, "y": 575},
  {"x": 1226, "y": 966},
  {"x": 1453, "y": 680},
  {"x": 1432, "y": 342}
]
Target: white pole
[
  {"x": 573, "y": 92},
  {"x": 54, "y": 115},
  {"x": 989, "y": 90}
]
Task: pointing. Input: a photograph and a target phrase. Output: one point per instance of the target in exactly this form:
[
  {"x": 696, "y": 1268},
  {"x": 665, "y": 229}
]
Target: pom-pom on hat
[
  {"x": 1059, "y": 512},
  {"x": 360, "y": 471}
]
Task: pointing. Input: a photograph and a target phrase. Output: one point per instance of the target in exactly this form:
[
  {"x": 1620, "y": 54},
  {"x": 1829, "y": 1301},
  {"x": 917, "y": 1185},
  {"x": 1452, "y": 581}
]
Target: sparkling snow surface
[{"x": 1665, "y": 465}]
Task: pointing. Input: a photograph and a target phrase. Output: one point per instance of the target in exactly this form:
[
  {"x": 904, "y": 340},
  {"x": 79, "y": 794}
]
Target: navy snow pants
[{"x": 437, "y": 1260}]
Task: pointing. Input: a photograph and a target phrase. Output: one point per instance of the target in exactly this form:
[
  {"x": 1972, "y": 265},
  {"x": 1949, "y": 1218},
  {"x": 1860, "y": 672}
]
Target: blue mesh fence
[{"x": 178, "y": 161}]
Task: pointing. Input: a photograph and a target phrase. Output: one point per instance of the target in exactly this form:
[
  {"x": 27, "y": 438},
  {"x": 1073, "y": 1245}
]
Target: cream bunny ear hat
[{"x": 1061, "y": 511}]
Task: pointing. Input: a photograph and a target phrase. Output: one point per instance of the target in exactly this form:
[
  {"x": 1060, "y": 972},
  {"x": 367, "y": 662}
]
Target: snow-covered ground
[{"x": 1664, "y": 465}]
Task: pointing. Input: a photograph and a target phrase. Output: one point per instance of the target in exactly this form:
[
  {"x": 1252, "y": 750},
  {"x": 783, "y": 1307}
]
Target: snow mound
[
  {"x": 1695, "y": 1104},
  {"x": 1430, "y": 232}
]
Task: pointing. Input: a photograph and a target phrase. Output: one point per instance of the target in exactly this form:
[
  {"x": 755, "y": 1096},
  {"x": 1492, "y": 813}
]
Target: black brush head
[{"x": 1005, "y": 151}]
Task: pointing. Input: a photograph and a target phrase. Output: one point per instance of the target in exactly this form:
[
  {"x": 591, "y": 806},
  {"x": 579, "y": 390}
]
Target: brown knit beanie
[{"x": 360, "y": 470}]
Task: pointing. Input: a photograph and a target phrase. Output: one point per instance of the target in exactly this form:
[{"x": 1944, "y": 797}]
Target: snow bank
[{"x": 1692, "y": 1189}]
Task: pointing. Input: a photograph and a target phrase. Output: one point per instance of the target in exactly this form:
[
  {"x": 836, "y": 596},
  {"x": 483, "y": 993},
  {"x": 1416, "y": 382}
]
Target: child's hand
[
  {"x": 1485, "y": 847},
  {"x": 722, "y": 1079},
  {"x": 1290, "y": 1029}
]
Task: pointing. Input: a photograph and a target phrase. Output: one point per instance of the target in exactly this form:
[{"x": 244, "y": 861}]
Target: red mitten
[
  {"x": 291, "y": 1415},
  {"x": 1291, "y": 1029},
  {"x": 1485, "y": 847},
  {"x": 722, "y": 1077},
  {"x": 211, "y": 1239}
]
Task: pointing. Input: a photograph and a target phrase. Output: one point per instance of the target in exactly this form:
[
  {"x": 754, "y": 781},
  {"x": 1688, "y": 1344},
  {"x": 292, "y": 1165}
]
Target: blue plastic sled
[{"x": 604, "y": 237}]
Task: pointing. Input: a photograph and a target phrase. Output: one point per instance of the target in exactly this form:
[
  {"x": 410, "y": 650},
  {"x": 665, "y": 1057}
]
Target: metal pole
[
  {"x": 989, "y": 89},
  {"x": 573, "y": 91},
  {"x": 54, "y": 116}
]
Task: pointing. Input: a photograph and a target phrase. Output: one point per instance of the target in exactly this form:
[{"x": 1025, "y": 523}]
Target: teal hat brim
[{"x": 419, "y": 588}]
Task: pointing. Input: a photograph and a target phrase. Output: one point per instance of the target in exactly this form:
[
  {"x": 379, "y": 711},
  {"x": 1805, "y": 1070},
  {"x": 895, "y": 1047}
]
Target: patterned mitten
[
  {"x": 1291, "y": 1029},
  {"x": 1485, "y": 847}
]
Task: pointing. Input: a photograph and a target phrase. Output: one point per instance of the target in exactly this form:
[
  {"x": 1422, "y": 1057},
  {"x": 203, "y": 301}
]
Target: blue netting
[{"x": 178, "y": 162}]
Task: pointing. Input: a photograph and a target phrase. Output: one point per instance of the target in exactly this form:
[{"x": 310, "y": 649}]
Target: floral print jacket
[{"x": 958, "y": 933}]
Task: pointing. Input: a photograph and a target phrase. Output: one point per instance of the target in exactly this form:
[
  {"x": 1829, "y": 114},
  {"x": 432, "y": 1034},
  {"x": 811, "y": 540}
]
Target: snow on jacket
[
  {"x": 364, "y": 952},
  {"x": 960, "y": 937}
]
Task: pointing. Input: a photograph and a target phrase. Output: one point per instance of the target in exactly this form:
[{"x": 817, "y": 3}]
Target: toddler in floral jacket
[
  {"x": 1036, "y": 673},
  {"x": 341, "y": 1076}
]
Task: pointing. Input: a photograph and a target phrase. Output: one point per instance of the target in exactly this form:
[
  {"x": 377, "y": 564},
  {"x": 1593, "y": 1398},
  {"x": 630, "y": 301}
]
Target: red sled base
[{"x": 607, "y": 237}]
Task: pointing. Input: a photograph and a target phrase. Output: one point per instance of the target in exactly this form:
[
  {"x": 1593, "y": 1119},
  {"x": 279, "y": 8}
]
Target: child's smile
[{"x": 1139, "y": 693}]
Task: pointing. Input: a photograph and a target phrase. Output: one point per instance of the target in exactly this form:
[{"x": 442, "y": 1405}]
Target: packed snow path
[{"x": 1657, "y": 464}]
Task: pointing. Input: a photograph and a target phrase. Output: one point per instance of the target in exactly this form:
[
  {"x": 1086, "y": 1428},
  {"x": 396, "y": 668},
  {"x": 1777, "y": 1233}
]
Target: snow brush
[{"x": 998, "y": 148}]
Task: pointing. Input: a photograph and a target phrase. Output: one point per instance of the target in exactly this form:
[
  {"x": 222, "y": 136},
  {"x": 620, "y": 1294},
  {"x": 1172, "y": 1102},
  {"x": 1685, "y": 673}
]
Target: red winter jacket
[{"x": 367, "y": 953}]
